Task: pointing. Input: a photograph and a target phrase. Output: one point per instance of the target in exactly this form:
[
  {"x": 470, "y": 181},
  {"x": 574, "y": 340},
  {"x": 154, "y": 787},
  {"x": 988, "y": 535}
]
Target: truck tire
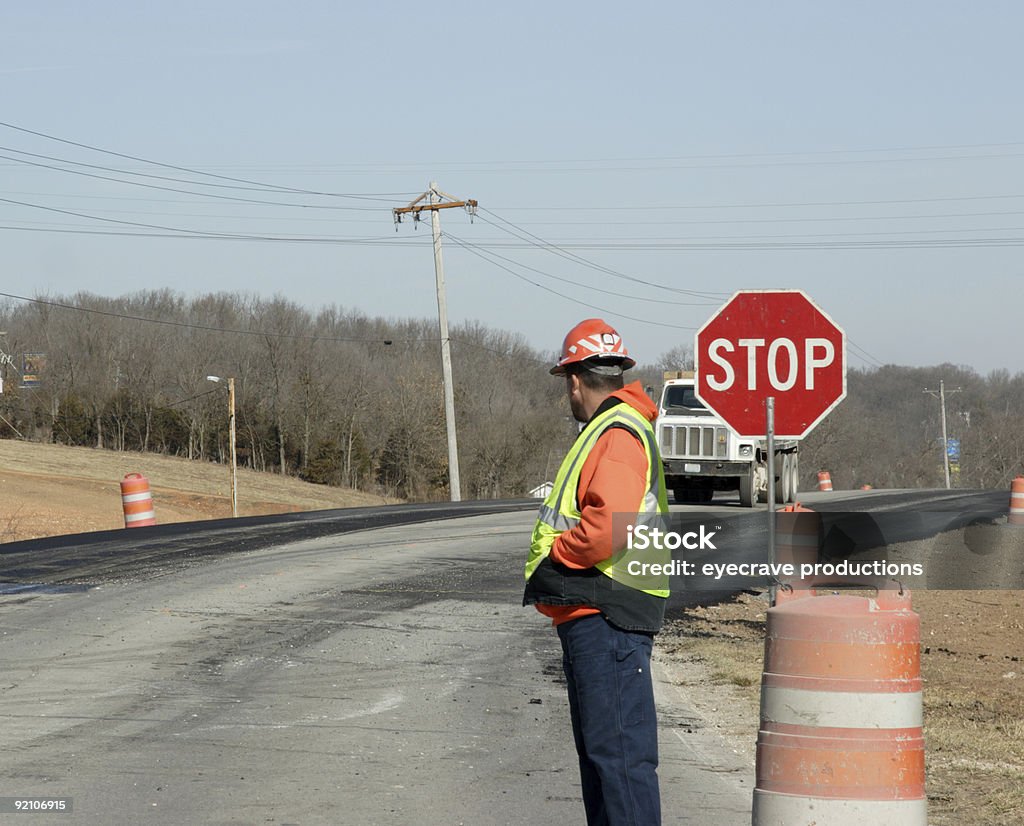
[
  {"x": 782, "y": 483},
  {"x": 794, "y": 477},
  {"x": 747, "y": 491}
]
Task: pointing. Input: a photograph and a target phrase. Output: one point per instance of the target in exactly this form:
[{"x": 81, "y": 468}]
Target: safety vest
[{"x": 623, "y": 586}]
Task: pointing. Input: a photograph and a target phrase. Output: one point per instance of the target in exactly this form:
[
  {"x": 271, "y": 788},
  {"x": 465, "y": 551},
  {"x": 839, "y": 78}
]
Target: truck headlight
[{"x": 746, "y": 451}]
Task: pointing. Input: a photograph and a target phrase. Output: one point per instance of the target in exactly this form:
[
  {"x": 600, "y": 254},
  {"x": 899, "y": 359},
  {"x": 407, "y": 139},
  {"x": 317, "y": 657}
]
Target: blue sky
[{"x": 871, "y": 154}]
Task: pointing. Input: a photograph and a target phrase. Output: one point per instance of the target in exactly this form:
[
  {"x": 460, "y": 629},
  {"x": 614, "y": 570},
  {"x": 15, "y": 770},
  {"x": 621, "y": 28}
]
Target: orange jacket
[{"x": 613, "y": 480}]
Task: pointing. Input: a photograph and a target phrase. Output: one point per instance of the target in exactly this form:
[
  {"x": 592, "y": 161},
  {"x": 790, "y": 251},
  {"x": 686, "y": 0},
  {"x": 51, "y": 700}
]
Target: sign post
[{"x": 769, "y": 439}]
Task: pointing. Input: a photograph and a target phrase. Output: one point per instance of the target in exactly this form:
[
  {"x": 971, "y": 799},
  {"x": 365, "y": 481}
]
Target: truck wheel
[
  {"x": 782, "y": 483},
  {"x": 747, "y": 488},
  {"x": 794, "y": 477}
]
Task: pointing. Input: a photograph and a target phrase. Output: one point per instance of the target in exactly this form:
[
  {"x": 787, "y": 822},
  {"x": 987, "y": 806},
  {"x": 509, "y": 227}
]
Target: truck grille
[{"x": 695, "y": 441}]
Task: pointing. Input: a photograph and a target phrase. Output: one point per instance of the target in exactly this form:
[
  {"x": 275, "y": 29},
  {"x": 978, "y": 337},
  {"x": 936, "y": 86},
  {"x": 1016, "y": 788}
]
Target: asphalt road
[
  {"x": 381, "y": 676},
  {"x": 331, "y": 669},
  {"x": 958, "y": 537}
]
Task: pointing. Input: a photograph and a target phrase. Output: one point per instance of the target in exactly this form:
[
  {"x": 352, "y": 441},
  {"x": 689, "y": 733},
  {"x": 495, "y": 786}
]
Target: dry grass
[{"x": 53, "y": 489}]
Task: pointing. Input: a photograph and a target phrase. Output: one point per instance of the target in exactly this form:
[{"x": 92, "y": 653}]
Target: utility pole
[
  {"x": 433, "y": 205},
  {"x": 941, "y": 396},
  {"x": 232, "y": 441}
]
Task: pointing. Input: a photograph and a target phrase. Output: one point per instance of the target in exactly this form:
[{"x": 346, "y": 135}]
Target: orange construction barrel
[
  {"x": 824, "y": 480},
  {"x": 797, "y": 536},
  {"x": 841, "y": 739},
  {"x": 137, "y": 501},
  {"x": 1016, "y": 516}
]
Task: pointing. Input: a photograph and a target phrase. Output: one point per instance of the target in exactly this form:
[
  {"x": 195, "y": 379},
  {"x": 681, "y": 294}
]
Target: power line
[
  {"x": 193, "y": 398},
  {"x": 864, "y": 355},
  {"x": 582, "y": 284},
  {"x": 210, "y": 215},
  {"x": 616, "y": 313},
  {"x": 685, "y": 245},
  {"x": 534, "y": 240},
  {"x": 661, "y": 167},
  {"x": 708, "y": 207},
  {"x": 655, "y": 240},
  {"x": 617, "y": 223},
  {"x": 264, "y": 186},
  {"x": 187, "y": 232},
  {"x": 676, "y": 246},
  {"x": 235, "y": 198},
  {"x": 198, "y": 236},
  {"x": 672, "y": 245},
  {"x": 484, "y": 164},
  {"x": 763, "y": 205},
  {"x": 504, "y": 353},
  {"x": 727, "y": 156},
  {"x": 861, "y": 352},
  {"x": 268, "y": 188},
  {"x": 799, "y": 220}
]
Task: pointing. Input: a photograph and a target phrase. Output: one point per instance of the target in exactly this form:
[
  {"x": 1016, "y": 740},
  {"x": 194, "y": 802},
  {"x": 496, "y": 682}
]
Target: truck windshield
[{"x": 682, "y": 396}]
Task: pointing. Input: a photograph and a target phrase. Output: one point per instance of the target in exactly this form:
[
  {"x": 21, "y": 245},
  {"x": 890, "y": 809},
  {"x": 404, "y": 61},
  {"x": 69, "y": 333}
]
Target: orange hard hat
[{"x": 593, "y": 340}]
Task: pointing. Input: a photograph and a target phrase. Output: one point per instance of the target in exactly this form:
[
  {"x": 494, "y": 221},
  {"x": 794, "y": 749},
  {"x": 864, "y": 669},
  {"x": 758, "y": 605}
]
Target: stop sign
[{"x": 770, "y": 343}]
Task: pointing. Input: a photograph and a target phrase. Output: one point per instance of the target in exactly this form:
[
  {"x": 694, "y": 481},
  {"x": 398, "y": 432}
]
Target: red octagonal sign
[{"x": 771, "y": 343}]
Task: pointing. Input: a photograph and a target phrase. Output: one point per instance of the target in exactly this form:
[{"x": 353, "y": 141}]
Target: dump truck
[{"x": 702, "y": 455}]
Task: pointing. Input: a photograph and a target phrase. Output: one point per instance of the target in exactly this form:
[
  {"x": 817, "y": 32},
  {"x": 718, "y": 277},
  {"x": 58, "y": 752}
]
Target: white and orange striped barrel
[
  {"x": 841, "y": 739},
  {"x": 797, "y": 535},
  {"x": 824, "y": 480},
  {"x": 137, "y": 501},
  {"x": 1016, "y": 516}
]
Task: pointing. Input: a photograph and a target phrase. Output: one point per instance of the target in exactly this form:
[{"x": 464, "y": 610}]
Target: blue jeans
[{"x": 611, "y": 700}]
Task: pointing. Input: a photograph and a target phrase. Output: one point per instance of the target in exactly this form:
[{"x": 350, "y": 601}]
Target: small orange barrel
[
  {"x": 1016, "y": 516},
  {"x": 824, "y": 480},
  {"x": 797, "y": 536},
  {"x": 841, "y": 740},
  {"x": 137, "y": 501}
]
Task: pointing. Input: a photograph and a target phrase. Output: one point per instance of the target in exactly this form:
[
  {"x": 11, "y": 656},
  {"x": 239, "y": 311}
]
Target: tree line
[
  {"x": 888, "y": 431},
  {"x": 339, "y": 398},
  {"x": 333, "y": 397}
]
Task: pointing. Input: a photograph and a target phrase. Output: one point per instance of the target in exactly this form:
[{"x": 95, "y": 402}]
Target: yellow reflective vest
[{"x": 629, "y": 587}]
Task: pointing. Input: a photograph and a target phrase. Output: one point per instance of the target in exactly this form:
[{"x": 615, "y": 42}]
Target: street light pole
[
  {"x": 232, "y": 448},
  {"x": 231, "y": 442}
]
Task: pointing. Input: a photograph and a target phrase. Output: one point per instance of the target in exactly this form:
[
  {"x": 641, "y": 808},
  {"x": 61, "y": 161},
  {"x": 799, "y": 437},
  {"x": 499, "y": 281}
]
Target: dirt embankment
[{"x": 48, "y": 490}]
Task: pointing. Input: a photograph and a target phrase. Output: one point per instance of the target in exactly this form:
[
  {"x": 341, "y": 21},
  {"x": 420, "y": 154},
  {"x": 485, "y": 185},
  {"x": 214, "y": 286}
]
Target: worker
[{"x": 579, "y": 573}]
